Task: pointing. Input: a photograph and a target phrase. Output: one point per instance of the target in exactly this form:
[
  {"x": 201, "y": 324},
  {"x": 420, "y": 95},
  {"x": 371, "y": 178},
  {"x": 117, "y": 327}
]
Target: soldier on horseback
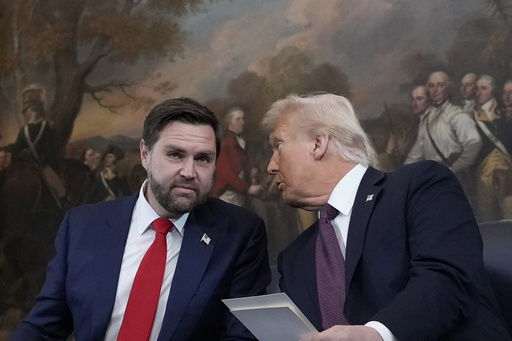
[{"x": 36, "y": 141}]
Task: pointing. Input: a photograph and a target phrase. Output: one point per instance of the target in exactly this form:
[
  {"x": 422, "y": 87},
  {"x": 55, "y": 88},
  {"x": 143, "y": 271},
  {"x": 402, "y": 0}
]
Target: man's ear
[
  {"x": 321, "y": 145},
  {"x": 144, "y": 154}
]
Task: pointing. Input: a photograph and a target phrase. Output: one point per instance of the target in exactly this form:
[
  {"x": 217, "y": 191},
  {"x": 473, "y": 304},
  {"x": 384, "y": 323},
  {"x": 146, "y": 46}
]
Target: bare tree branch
[
  {"x": 98, "y": 52},
  {"x": 111, "y": 107},
  {"x": 111, "y": 87}
]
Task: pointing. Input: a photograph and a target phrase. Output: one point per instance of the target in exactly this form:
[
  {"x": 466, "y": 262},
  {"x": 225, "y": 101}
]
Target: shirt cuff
[{"x": 384, "y": 332}]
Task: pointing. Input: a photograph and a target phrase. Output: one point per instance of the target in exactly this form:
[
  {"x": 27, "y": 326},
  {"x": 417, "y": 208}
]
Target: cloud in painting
[{"x": 366, "y": 39}]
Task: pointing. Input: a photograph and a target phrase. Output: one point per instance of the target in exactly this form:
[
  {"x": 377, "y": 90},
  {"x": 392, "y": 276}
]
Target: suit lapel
[
  {"x": 193, "y": 259},
  {"x": 109, "y": 250},
  {"x": 308, "y": 260},
  {"x": 366, "y": 197}
]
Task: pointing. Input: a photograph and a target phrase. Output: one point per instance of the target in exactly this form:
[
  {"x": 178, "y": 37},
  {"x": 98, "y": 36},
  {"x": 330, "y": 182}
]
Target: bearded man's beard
[{"x": 178, "y": 204}]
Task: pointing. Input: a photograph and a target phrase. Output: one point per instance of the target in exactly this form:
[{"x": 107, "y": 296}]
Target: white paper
[{"x": 271, "y": 317}]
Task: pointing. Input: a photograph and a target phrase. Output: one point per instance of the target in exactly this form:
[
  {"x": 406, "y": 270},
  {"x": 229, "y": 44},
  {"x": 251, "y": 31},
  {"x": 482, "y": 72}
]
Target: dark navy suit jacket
[
  {"x": 82, "y": 279},
  {"x": 413, "y": 260}
]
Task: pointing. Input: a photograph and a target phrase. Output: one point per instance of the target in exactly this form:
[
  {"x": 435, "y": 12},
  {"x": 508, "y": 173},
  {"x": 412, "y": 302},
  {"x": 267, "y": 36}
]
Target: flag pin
[
  {"x": 369, "y": 197},
  {"x": 205, "y": 239}
]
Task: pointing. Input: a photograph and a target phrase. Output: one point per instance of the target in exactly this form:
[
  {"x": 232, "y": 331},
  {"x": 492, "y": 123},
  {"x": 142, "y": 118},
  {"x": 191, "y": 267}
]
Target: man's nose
[
  {"x": 272, "y": 167},
  {"x": 188, "y": 168}
]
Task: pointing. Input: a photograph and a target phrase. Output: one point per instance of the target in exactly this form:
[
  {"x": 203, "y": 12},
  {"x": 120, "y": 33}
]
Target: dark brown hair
[{"x": 184, "y": 110}]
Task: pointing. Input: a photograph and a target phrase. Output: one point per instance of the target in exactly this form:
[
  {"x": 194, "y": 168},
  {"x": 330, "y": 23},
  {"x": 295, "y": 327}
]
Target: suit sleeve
[
  {"x": 445, "y": 272},
  {"x": 251, "y": 278},
  {"x": 50, "y": 318}
]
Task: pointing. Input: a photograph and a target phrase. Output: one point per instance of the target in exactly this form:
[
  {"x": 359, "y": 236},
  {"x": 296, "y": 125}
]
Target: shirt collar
[
  {"x": 441, "y": 103},
  {"x": 469, "y": 102},
  {"x": 344, "y": 194},
  {"x": 146, "y": 214},
  {"x": 487, "y": 105}
]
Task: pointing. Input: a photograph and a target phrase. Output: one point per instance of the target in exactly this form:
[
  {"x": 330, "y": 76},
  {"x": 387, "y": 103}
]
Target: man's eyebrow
[
  {"x": 209, "y": 153},
  {"x": 172, "y": 147},
  {"x": 273, "y": 138}
]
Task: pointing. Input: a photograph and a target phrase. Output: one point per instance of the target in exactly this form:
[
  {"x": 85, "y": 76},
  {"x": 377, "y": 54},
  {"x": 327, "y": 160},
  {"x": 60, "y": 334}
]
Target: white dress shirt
[
  {"x": 342, "y": 198},
  {"x": 140, "y": 237}
]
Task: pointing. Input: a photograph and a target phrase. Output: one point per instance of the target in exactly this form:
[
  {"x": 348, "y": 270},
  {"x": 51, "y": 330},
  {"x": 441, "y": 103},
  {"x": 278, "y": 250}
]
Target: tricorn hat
[
  {"x": 33, "y": 95},
  {"x": 114, "y": 150}
]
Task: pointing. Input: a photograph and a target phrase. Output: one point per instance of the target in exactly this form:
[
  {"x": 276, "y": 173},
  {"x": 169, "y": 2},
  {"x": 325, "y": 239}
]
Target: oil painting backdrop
[{"x": 104, "y": 64}]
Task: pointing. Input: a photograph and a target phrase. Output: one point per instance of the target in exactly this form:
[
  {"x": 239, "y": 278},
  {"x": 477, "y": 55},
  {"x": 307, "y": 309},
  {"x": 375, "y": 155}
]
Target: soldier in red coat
[{"x": 232, "y": 182}]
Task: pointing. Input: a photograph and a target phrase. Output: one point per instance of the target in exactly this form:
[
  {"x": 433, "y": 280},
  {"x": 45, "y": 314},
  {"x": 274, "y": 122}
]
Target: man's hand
[{"x": 345, "y": 333}]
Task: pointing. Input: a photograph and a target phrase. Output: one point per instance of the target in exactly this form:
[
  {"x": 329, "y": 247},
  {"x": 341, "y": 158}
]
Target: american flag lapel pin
[
  {"x": 205, "y": 239},
  {"x": 369, "y": 197}
]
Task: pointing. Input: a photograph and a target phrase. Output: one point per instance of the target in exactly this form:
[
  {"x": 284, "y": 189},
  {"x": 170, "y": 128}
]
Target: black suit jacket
[
  {"x": 413, "y": 260},
  {"x": 81, "y": 283}
]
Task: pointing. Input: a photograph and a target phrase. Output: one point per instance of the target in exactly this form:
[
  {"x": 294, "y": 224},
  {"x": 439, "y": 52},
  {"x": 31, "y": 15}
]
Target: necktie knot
[
  {"x": 162, "y": 225},
  {"x": 327, "y": 212}
]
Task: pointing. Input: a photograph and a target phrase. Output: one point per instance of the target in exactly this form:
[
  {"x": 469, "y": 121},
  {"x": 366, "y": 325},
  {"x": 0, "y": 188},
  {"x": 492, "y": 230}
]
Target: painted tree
[
  {"x": 85, "y": 47},
  {"x": 418, "y": 65},
  {"x": 290, "y": 71},
  {"x": 482, "y": 45}
]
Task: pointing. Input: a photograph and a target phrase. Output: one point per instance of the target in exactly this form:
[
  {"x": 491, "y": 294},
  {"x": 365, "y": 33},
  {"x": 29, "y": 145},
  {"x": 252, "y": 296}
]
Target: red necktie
[
  {"x": 330, "y": 270},
  {"x": 143, "y": 301}
]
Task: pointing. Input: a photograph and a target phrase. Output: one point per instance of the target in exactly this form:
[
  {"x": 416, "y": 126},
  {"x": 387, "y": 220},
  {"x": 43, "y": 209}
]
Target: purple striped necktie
[{"x": 330, "y": 270}]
